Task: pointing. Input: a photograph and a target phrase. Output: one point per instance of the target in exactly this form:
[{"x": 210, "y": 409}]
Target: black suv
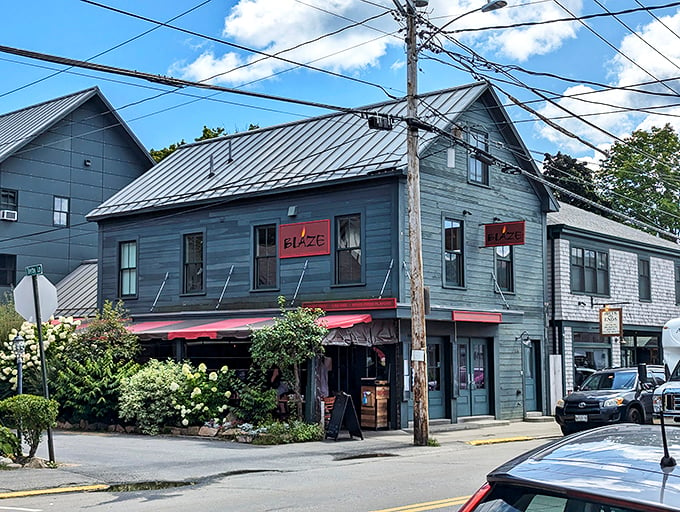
[{"x": 614, "y": 395}]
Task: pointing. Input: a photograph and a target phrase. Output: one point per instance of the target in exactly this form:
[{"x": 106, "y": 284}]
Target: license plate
[{"x": 581, "y": 417}]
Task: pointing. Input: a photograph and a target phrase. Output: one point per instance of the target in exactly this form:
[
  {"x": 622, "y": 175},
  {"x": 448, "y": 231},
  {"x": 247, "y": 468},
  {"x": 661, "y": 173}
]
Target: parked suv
[{"x": 613, "y": 395}]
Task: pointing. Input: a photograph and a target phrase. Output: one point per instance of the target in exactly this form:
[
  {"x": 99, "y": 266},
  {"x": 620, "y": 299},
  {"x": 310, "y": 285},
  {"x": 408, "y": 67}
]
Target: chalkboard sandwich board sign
[{"x": 343, "y": 414}]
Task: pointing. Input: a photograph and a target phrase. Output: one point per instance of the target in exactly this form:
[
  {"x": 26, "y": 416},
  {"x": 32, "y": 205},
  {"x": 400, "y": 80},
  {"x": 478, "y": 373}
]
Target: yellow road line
[
  {"x": 499, "y": 440},
  {"x": 428, "y": 505},
  {"x": 53, "y": 490}
]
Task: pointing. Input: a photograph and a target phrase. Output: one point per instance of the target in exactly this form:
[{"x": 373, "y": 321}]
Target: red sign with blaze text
[
  {"x": 305, "y": 239},
  {"x": 504, "y": 233}
]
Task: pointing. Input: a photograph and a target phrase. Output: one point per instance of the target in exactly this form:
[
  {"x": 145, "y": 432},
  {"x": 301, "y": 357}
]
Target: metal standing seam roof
[
  {"x": 20, "y": 127},
  {"x": 308, "y": 152},
  {"x": 77, "y": 292},
  {"x": 587, "y": 221}
]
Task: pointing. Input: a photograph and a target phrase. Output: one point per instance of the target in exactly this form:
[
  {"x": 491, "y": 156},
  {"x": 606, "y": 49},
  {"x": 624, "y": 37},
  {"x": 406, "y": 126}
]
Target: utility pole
[{"x": 418, "y": 336}]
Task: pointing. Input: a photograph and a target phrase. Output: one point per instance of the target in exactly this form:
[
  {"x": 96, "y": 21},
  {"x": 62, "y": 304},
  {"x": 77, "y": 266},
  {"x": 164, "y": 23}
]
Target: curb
[{"x": 53, "y": 490}]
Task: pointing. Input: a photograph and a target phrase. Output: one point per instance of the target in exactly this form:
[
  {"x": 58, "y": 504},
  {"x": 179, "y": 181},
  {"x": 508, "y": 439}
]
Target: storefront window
[
  {"x": 434, "y": 380},
  {"x": 591, "y": 352},
  {"x": 637, "y": 349}
]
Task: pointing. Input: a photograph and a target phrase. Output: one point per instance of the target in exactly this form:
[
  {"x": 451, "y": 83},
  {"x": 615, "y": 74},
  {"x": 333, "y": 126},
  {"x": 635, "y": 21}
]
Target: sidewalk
[{"x": 87, "y": 461}]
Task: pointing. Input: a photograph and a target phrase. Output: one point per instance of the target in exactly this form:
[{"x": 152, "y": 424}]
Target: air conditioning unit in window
[{"x": 8, "y": 215}]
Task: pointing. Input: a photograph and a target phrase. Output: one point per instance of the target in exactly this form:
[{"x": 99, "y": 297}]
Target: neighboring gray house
[
  {"x": 597, "y": 263},
  {"x": 200, "y": 247},
  {"x": 59, "y": 160}
]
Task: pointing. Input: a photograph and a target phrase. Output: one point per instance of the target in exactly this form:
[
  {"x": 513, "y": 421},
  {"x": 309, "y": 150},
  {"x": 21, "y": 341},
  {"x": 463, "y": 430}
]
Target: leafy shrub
[
  {"x": 90, "y": 389},
  {"x": 9, "y": 443},
  {"x": 146, "y": 396},
  {"x": 290, "y": 432},
  {"x": 105, "y": 334},
  {"x": 34, "y": 414},
  {"x": 256, "y": 405}
]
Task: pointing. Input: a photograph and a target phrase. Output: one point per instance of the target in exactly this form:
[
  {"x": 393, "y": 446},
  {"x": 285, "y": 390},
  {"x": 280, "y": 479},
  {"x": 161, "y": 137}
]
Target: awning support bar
[
  {"x": 224, "y": 288},
  {"x": 304, "y": 268},
  {"x": 387, "y": 276},
  {"x": 159, "y": 291}
]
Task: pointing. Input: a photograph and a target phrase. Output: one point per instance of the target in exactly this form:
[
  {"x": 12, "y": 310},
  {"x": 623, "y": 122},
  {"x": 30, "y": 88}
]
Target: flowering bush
[
  {"x": 201, "y": 396},
  {"x": 144, "y": 396},
  {"x": 170, "y": 393},
  {"x": 55, "y": 335}
]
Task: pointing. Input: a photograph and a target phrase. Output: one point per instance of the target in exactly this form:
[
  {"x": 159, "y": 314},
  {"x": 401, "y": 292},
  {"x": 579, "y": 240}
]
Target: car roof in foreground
[
  {"x": 618, "y": 461},
  {"x": 653, "y": 367}
]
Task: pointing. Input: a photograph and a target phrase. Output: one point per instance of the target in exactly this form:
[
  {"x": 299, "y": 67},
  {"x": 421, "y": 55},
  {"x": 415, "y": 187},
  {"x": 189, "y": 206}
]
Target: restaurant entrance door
[{"x": 472, "y": 377}]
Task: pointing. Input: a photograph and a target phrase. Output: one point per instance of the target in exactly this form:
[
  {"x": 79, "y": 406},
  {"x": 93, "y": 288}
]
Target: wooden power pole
[{"x": 418, "y": 337}]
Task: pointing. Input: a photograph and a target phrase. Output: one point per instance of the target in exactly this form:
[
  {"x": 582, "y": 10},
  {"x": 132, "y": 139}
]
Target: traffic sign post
[{"x": 31, "y": 308}]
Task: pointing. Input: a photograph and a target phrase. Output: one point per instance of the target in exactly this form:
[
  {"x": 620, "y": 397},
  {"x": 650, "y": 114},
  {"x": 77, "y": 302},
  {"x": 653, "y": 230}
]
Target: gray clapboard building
[
  {"x": 596, "y": 265},
  {"x": 59, "y": 160},
  {"x": 200, "y": 247}
]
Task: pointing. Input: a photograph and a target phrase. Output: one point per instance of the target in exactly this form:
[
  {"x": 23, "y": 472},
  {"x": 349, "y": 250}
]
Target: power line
[
  {"x": 115, "y": 47},
  {"x": 562, "y": 20},
  {"x": 660, "y": 21},
  {"x": 613, "y": 47},
  {"x": 652, "y": 47},
  {"x": 237, "y": 46},
  {"x": 166, "y": 80}
]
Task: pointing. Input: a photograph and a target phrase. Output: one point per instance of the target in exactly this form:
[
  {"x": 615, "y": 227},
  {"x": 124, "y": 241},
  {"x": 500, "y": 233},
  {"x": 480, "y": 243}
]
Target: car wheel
[{"x": 634, "y": 416}]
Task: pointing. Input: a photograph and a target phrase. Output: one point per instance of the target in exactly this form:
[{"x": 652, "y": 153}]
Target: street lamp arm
[{"x": 489, "y": 6}]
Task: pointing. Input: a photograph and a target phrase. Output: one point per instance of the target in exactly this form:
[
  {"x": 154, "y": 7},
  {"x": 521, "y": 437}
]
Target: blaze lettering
[{"x": 304, "y": 241}]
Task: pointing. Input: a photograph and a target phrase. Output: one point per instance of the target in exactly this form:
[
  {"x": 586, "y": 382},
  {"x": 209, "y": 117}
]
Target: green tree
[
  {"x": 87, "y": 372},
  {"x": 640, "y": 178},
  {"x": 106, "y": 333},
  {"x": 207, "y": 133},
  {"x": 570, "y": 174},
  {"x": 294, "y": 338}
]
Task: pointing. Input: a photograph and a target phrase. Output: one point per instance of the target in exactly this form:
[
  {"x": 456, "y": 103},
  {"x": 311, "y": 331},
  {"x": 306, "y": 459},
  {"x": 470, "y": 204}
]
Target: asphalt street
[{"x": 104, "y": 459}]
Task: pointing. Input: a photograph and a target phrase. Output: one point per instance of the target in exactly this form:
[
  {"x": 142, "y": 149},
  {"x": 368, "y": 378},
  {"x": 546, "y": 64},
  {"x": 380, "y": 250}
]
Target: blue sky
[{"x": 645, "y": 50}]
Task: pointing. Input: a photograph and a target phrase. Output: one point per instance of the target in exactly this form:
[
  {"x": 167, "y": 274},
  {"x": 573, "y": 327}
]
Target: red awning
[
  {"x": 343, "y": 321},
  {"x": 228, "y": 328},
  {"x": 232, "y": 327},
  {"x": 477, "y": 316},
  {"x": 149, "y": 327}
]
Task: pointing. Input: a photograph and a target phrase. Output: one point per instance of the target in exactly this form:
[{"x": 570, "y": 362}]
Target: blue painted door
[
  {"x": 436, "y": 377},
  {"x": 472, "y": 377}
]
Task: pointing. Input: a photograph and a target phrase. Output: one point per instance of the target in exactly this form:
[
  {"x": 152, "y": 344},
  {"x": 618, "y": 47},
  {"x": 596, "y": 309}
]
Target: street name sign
[{"x": 34, "y": 270}]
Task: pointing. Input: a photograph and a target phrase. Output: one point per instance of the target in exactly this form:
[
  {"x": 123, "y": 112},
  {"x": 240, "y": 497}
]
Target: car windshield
[
  {"x": 676, "y": 373},
  {"x": 609, "y": 380}
]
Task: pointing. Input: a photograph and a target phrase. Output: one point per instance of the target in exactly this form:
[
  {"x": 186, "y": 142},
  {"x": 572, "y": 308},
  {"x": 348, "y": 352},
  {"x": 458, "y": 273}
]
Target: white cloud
[
  {"x": 282, "y": 27},
  {"x": 273, "y": 26},
  {"x": 621, "y": 111}
]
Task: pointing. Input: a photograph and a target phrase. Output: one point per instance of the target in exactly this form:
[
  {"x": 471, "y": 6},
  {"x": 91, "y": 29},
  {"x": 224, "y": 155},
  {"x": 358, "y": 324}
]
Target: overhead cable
[{"x": 237, "y": 46}]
